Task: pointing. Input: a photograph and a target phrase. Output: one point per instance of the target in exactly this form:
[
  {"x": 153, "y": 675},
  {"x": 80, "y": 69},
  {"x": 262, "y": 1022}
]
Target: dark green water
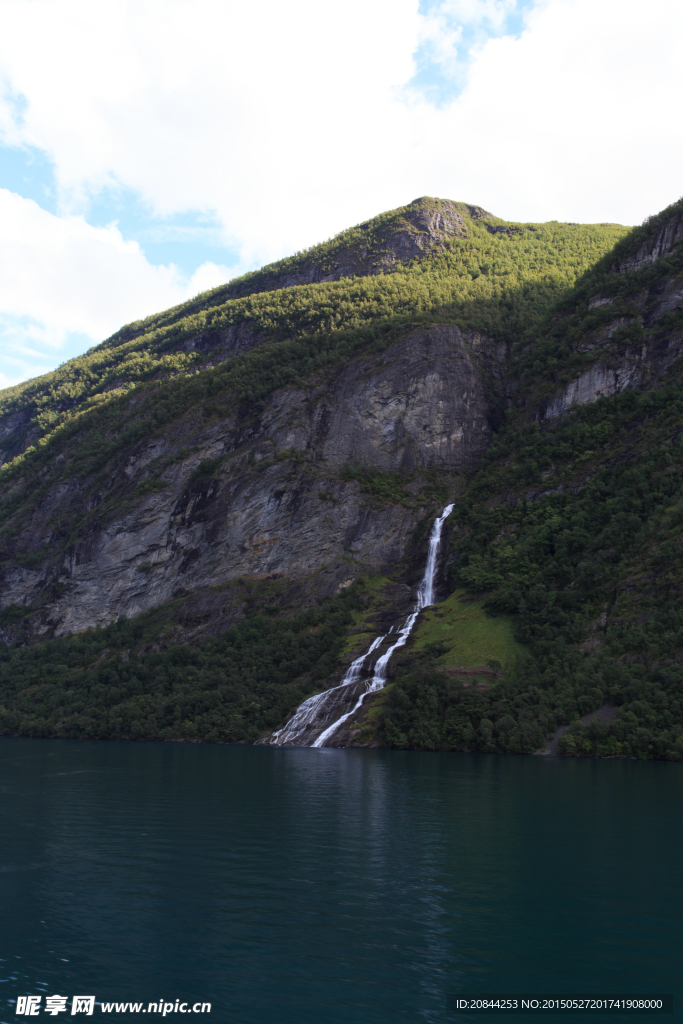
[{"x": 333, "y": 886}]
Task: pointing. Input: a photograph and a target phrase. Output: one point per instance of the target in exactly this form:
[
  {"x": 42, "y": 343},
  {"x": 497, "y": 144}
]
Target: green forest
[
  {"x": 569, "y": 531},
  {"x": 229, "y": 690},
  {"x": 497, "y": 283},
  {"x": 573, "y": 530},
  {"x": 602, "y": 536}
]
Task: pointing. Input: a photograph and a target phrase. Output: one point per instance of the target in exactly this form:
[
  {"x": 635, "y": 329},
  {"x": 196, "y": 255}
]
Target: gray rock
[
  {"x": 661, "y": 244},
  {"x": 276, "y": 506}
]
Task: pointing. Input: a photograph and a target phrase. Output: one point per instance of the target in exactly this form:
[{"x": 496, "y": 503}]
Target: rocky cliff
[
  {"x": 260, "y": 494},
  {"x": 256, "y": 490},
  {"x": 207, "y": 518},
  {"x": 623, "y": 331}
]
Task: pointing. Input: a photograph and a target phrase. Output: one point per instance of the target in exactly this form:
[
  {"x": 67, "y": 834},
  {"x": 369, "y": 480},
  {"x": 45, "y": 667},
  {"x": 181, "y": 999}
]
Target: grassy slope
[{"x": 461, "y": 635}]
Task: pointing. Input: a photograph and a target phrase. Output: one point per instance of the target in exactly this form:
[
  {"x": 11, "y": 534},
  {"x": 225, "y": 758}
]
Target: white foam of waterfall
[
  {"x": 310, "y": 710},
  {"x": 313, "y": 709},
  {"x": 378, "y": 680},
  {"x": 425, "y": 593}
]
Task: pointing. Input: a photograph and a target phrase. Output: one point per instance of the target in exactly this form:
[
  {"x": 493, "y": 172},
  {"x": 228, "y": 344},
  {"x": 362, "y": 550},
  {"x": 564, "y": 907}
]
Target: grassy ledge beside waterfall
[{"x": 207, "y": 517}]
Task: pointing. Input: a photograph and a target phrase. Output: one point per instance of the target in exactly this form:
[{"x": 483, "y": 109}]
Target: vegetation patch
[
  {"x": 385, "y": 485},
  {"x": 427, "y": 709},
  {"x": 152, "y": 485},
  {"x": 465, "y": 635},
  {"x": 572, "y": 531},
  {"x": 118, "y": 682},
  {"x": 362, "y": 633}
]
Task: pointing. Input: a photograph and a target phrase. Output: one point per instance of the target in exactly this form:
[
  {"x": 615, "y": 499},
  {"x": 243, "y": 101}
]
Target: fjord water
[{"x": 333, "y": 886}]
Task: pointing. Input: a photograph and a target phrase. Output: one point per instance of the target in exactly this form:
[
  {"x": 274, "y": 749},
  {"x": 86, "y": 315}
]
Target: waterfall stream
[{"x": 307, "y": 726}]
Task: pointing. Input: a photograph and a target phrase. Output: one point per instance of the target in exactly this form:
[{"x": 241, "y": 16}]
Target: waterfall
[
  {"x": 308, "y": 714},
  {"x": 343, "y": 700}
]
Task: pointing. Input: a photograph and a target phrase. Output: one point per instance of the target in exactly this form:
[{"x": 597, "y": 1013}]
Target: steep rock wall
[
  {"x": 273, "y": 505},
  {"x": 661, "y": 244},
  {"x": 618, "y": 366}
]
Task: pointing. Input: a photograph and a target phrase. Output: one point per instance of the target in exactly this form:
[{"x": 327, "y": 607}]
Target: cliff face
[
  {"x": 233, "y": 466},
  {"x": 660, "y": 243},
  {"x": 631, "y": 336},
  {"x": 261, "y": 495}
]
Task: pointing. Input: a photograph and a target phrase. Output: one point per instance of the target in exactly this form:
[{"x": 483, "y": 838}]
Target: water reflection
[{"x": 332, "y": 885}]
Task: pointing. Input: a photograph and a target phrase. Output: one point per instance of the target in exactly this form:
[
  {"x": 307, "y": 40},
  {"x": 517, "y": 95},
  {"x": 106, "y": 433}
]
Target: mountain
[{"x": 207, "y": 517}]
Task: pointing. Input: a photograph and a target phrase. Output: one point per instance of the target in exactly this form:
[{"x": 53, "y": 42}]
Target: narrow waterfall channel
[{"x": 318, "y": 718}]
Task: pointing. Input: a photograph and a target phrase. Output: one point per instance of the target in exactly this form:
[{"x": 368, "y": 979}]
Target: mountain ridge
[
  {"x": 369, "y": 248},
  {"x": 227, "y": 328},
  {"x": 507, "y": 366}
]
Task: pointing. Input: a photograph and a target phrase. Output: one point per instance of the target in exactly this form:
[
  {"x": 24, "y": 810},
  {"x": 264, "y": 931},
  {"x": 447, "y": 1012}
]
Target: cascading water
[
  {"x": 340, "y": 702},
  {"x": 309, "y": 714}
]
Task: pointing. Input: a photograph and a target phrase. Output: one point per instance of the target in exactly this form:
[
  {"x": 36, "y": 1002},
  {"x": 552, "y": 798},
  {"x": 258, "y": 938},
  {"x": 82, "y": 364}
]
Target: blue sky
[
  {"x": 150, "y": 151},
  {"x": 191, "y": 237},
  {"x": 187, "y": 238},
  {"x": 457, "y": 31}
]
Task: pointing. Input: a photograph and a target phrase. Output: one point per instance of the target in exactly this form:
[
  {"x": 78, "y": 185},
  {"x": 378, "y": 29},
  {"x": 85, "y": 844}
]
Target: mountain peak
[{"x": 375, "y": 246}]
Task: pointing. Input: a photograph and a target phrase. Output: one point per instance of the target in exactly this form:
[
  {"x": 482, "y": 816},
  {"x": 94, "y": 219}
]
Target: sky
[{"x": 152, "y": 149}]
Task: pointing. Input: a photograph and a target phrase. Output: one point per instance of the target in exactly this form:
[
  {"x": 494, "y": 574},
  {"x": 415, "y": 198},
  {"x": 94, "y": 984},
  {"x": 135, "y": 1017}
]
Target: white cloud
[
  {"x": 8, "y": 382},
  {"x": 62, "y": 276},
  {"x": 209, "y": 275},
  {"x": 65, "y": 273},
  {"x": 441, "y": 31},
  {"x": 289, "y": 122}
]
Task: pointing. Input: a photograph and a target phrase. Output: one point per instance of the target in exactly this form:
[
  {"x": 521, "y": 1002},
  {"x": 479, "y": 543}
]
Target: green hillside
[
  {"x": 494, "y": 281},
  {"x": 563, "y": 556},
  {"x": 132, "y": 681},
  {"x": 571, "y": 531},
  {"x": 79, "y": 417}
]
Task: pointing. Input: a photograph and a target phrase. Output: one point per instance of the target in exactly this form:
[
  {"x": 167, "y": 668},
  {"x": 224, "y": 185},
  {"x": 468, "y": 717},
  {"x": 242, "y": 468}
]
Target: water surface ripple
[{"x": 332, "y": 886}]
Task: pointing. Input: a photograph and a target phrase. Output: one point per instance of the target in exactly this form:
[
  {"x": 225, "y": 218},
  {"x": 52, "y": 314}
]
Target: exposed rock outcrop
[
  {"x": 619, "y": 366},
  {"x": 14, "y": 429},
  {"x": 660, "y": 244},
  {"x": 598, "y": 382},
  {"x": 424, "y": 226},
  {"x": 272, "y": 503}
]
